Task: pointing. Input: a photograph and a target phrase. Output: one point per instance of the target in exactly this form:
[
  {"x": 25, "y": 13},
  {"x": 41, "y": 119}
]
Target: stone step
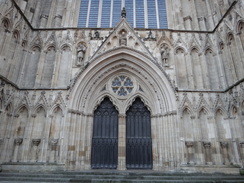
[
  {"x": 129, "y": 176},
  {"x": 116, "y": 177}
]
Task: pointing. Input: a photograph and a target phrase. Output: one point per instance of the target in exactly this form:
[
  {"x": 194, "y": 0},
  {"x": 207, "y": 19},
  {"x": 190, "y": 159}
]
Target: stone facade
[{"x": 53, "y": 77}]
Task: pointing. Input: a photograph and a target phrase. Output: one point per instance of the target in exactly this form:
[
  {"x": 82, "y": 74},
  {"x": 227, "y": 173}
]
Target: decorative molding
[
  {"x": 36, "y": 142},
  {"x": 18, "y": 141},
  {"x": 1, "y": 141},
  {"x": 242, "y": 144},
  {"x": 224, "y": 144},
  {"x": 53, "y": 142},
  {"x": 189, "y": 144},
  {"x": 206, "y": 144}
]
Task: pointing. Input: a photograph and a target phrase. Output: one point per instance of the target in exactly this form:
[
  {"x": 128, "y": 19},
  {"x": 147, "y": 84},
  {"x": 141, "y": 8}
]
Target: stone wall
[{"x": 52, "y": 80}]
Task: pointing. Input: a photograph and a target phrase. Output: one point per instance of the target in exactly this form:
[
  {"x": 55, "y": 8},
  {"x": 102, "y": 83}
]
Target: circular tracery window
[{"x": 122, "y": 85}]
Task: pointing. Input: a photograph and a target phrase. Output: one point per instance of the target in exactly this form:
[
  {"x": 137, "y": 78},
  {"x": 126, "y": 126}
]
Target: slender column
[
  {"x": 224, "y": 146},
  {"x": 56, "y": 69},
  {"x": 17, "y": 143},
  {"x": 208, "y": 159},
  {"x": 122, "y": 143},
  {"x": 89, "y": 130},
  {"x": 189, "y": 146},
  {"x": 35, "y": 150},
  {"x": 242, "y": 153}
]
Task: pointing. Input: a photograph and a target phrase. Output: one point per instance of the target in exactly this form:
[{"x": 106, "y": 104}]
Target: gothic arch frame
[
  {"x": 123, "y": 59},
  {"x": 101, "y": 98},
  {"x": 204, "y": 109},
  {"x": 180, "y": 48},
  {"x": 238, "y": 24},
  {"x": 37, "y": 107},
  {"x": 20, "y": 107}
]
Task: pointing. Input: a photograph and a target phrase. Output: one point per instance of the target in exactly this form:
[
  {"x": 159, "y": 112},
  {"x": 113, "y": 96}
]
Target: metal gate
[
  {"x": 105, "y": 137},
  {"x": 138, "y": 137}
]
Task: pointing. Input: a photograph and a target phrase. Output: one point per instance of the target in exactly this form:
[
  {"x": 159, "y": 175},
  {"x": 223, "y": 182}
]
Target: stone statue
[
  {"x": 165, "y": 55},
  {"x": 80, "y": 54},
  {"x": 150, "y": 35},
  {"x": 96, "y": 34},
  {"x": 123, "y": 40},
  {"x": 123, "y": 13}
]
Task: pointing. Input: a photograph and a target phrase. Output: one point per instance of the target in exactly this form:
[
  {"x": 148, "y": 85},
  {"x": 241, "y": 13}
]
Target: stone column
[
  {"x": 122, "y": 143},
  {"x": 17, "y": 143},
  {"x": 1, "y": 146},
  {"x": 35, "y": 143},
  {"x": 207, "y": 147},
  {"x": 242, "y": 153},
  {"x": 189, "y": 146},
  {"x": 53, "y": 146},
  {"x": 224, "y": 146}
]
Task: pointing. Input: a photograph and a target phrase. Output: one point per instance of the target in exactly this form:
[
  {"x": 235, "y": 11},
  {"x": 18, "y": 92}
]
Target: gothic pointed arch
[
  {"x": 104, "y": 96},
  {"x": 138, "y": 136},
  {"x": 203, "y": 105},
  {"x": 105, "y": 132},
  {"x": 186, "y": 104},
  {"x": 123, "y": 60}
]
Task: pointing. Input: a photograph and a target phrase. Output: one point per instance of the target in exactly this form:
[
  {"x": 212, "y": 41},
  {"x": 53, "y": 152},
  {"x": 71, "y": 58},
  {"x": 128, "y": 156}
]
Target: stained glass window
[{"x": 122, "y": 85}]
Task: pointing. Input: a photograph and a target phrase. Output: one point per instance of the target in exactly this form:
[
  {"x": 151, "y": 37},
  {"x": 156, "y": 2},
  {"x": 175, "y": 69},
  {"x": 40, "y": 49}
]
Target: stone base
[
  {"x": 32, "y": 167},
  {"x": 210, "y": 169}
]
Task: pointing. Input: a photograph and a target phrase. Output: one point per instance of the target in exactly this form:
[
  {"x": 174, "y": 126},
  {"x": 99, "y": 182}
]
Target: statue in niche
[
  {"x": 165, "y": 55},
  {"x": 123, "y": 40},
  {"x": 81, "y": 50}
]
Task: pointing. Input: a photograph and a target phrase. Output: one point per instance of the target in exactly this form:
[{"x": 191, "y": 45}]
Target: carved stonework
[
  {"x": 18, "y": 141},
  {"x": 36, "y": 142},
  {"x": 242, "y": 144},
  {"x": 81, "y": 50},
  {"x": 123, "y": 39},
  {"x": 123, "y": 13},
  {"x": 150, "y": 37},
  {"x": 1, "y": 141},
  {"x": 53, "y": 142},
  {"x": 96, "y": 36},
  {"x": 207, "y": 144},
  {"x": 165, "y": 55},
  {"x": 189, "y": 144},
  {"x": 224, "y": 144}
]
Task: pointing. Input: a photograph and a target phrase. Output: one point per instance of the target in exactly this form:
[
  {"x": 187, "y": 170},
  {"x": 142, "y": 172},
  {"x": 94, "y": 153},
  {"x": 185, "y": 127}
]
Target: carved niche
[{"x": 81, "y": 50}]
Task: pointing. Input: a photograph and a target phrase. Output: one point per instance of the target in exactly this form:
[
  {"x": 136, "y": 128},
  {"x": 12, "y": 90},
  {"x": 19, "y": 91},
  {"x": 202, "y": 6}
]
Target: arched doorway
[
  {"x": 138, "y": 137},
  {"x": 105, "y": 136}
]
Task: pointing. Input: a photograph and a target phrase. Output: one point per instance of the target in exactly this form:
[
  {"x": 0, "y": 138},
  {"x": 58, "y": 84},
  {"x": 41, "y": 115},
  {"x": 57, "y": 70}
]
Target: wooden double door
[{"x": 105, "y": 137}]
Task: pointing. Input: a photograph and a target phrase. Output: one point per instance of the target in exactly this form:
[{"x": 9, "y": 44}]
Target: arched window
[
  {"x": 38, "y": 123},
  {"x": 212, "y": 69},
  {"x": 64, "y": 67},
  {"x": 31, "y": 67},
  {"x": 181, "y": 68},
  {"x": 47, "y": 72},
  {"x": 197, "y": 69}
]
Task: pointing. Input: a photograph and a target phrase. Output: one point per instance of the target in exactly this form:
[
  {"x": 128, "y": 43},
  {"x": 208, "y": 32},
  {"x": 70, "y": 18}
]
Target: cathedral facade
[{"x": 81, "y": 98}]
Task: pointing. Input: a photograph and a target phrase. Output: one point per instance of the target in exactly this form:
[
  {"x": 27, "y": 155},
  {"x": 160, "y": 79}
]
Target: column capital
[
  {"x": 206, "y": 144},
  {"x": 18, "y": 141}
]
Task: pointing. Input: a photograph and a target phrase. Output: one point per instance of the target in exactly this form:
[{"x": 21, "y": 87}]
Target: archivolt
[{"x": 157, "y": 89}]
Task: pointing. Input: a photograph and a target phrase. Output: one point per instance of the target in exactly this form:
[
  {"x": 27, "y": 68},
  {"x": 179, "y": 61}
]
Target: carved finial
[{"x": 123, "y": 13}]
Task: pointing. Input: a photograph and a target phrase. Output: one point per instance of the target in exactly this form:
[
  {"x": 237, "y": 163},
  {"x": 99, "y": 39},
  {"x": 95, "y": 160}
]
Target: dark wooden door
[
  {"x": 138, "y": 137},
  {"x": 105, "y": 136}
]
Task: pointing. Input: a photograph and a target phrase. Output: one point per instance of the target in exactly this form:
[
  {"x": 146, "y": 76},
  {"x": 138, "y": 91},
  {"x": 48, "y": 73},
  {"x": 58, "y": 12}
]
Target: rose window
[{"x": 122, "y": 85}]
